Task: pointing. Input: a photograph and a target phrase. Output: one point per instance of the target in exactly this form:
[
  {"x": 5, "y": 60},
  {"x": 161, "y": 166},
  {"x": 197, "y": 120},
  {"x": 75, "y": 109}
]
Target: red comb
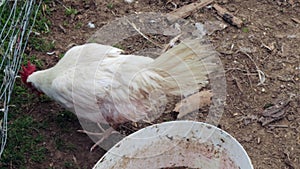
[{"x": 26, "y": 71}]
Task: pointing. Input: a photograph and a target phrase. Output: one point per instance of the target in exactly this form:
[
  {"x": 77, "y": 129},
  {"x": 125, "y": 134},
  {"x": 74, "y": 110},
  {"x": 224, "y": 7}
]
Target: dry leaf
[{"x": 193, "y": 102}]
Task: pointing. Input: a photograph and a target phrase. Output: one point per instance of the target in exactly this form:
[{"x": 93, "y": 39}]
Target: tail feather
[{"x": 185, "y": 67}]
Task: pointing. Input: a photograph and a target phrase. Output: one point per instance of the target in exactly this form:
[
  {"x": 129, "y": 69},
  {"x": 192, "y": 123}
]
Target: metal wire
[{"x": 14, "y": 34}]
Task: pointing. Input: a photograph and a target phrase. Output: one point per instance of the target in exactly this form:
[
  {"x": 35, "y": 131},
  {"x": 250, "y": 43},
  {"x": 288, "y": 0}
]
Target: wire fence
[{"x": 17, "y": 18}]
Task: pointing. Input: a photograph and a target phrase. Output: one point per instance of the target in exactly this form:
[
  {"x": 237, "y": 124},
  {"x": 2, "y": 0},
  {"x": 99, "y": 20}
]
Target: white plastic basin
[{"x": 177, "y": 144}]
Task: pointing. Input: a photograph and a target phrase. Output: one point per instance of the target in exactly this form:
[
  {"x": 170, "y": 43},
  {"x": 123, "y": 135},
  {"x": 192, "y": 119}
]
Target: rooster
[{"x": 100, "y": 84}]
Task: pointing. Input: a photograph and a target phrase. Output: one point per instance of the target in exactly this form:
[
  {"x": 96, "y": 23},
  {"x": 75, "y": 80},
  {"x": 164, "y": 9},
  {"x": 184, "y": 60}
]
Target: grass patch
[
  {"x": 42, "y": 23},
  {"x": 110, "y": 5},
  {"x": 245, "y": 29},
  {"x": 24, "y": 141},
  {"x": 119, "y": 46},
  {"x": 33, "y": 59},
  {"x": 69, "y": 164},
  {"x": 41, "y": 45},
  {"x": 62, "y": 145},
  {"x": 61, "y": 55},
  {"x": 65, "y": 119},
  {"x": 70, "y": 11},
  {"x": 78, "y": 25}
]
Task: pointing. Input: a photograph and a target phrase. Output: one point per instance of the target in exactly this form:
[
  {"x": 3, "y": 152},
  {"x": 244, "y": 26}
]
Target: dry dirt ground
[{"x": 271, "y": 38}]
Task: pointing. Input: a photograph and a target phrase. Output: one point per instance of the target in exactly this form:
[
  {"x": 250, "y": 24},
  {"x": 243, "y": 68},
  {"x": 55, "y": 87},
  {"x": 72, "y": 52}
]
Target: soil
[{"x": 271, "y": 37}]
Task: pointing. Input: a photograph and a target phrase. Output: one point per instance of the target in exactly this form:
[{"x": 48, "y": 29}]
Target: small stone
[
  {"x": 290, "y": 117},
  {"x": 129, "y": 1},
  {"x": 235, "y": 114},
  {"x": 224, "y": 1},
  {"x": 248, "y": 138},
  {"x": 91, "y": 25}
]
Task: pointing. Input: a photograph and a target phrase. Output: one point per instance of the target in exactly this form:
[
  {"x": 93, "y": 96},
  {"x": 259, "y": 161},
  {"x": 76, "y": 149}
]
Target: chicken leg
[{"x": 105, "y": 133}]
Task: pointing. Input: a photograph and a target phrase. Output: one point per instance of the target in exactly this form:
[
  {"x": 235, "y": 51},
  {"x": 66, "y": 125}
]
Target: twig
[
  {"x": 287, "y": 160},
  {"x": 71, "y": 45},
  {"x": 173, "y": 3},
  {"x": 231, "y": 69},
  {"x": 186, "y": 10},
  {"x": 261, "y": 74},
  {"x": 62, "y": 28},
  {"x": 296, "y": 20},
  {"x": 127, "y": 128},
  {"x": 171, "y": 43},
  {"x": 238, "y": 84},
  {"x": 147, "y": 121},
  {"x": 147, "y": 38},
  {"x": 278, "y": 126},
  {"x": 62, "y": 5},
  {"x": 228, "y": 17},
  {"x": 248, "y": 75}
]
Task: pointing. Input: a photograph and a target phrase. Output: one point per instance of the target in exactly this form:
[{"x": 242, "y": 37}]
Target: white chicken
[{"x": 98, "y": 83}]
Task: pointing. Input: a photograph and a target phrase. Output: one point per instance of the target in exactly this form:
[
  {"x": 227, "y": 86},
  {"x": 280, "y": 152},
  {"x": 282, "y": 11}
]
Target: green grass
[
  {"x": 110, "y": 5},
  {"x": 33, "y": 59},
  {"x": 25, "y": 133},
  {"x": 65, "y": 118},
  {"x": 245, "y": 29},
  {"x": 40, "y": 44},
  {"x": 25, "y": 142},
  {"x": 69, "y": 164},
  {"x": 78, "y": 25},
  {"x": 42, "y": 24},
  {"x": 119, "y": 46},
  {"x": 61, "y": 55},
  {"x": 62, "y": 146},
  {"x": 65, "y": 23},
  {"x": 70, "y": 11}
]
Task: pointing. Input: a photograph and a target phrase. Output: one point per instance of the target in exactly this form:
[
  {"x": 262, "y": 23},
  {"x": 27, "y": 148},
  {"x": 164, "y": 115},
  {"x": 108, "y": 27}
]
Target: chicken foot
[{"x": 105, "y": 133}]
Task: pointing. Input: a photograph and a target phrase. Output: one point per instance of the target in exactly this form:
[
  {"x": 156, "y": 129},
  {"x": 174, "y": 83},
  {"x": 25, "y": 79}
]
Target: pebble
[
  {"x": 91, "y": 25},
  {"x": 129, "y": 1},
  {"x": 291, "y": 117}
]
